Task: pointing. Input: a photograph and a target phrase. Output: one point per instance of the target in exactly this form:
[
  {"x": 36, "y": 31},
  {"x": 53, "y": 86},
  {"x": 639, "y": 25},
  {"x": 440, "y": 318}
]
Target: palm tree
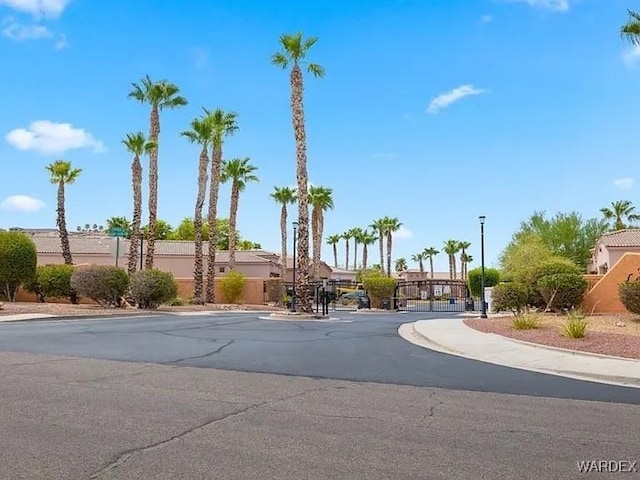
[
  {"x": 451, "y": 248},
  {"x": 619, "y": 212},
  {"x": 419, "y": 258},
  {"x": 430, "y": 253},
  {"x": 294, "y": 50},
  {"x": 116, "y": 222},
  {"x": 379, "y": 227},
  {"x": 356, "y": 234},
  {"x": 62, "y": 173},
  {"x": 630, "y": 31},
  {"x": 284, "y": 196},
  {"x": 240, "y": 172},
  {"x": 160, "y": 95},
  {"x": 320, "y": 199},
  {"x": 366, "y": 238},
  {"x": 391, "y": 226},
  {"x": 137, "y": 145},
  {"x": 467, "y": 260},
  {"x": 201, "y": 132},
  {"x": 333, "y": 240},
  {"x": 224, "y": 124},
  {"x": 463, "y": 255},
  {"x": 401, "y": 264},
  {"x": 346, "y": 237}
]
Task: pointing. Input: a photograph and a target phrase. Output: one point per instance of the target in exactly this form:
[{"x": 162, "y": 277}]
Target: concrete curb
[{"x": 414, "y": 336}]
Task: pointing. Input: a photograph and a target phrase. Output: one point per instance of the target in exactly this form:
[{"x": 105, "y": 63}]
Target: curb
[
  {"x": 54, "y": 318},
  {"x": 440, "y": 347}
]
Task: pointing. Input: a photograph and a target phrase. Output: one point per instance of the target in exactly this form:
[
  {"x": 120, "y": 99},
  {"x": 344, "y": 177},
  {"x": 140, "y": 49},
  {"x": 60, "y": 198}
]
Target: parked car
[{"x": 355, "y": 295}]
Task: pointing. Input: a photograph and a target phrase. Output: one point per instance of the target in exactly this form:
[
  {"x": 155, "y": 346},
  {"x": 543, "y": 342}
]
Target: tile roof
[
  {"x": 290, "y": 263},
  {"x": 173, "y": 248},
  {"x": 622, "y": 238}
]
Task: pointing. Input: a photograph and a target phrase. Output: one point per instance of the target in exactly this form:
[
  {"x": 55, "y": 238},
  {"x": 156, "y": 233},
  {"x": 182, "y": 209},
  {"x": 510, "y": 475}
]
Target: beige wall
[{"x": 252, "y": 294}]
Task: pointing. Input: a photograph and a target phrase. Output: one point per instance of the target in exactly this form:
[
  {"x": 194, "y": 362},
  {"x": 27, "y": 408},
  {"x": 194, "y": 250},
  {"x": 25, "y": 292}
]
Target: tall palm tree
[
  {"x": 201, "y": 132},
  {"x": 160, "y": 95},
  {"x": 115, "y": 222},
  {"x": 451, "y": 248},
  {"x": 430, "y": 253},
  {"x": 463, "y": 256},
  {"x": 293, "y": 52},
  {"x": 284, "y": 196},
  {"x": 401, "y": 264},
  {"x": 367, "y": 238},
  {"x": 320, "y": 199},
  {"x": 391, "y": 226},
  {"x": 630, "y": 31},
  {"x": 356, "y": 235},
  {"x": 333, "y": 240},
  {"x": 379, "y": 226},
  {"x": 240, "y": 172},
  {"x": 137, "y": 145},
  {"x": 620, "y": 212},
  {"x": 62, "y": 173},
  {"x": 419, "y": 258},
  {"x": 224, "y": 124}
]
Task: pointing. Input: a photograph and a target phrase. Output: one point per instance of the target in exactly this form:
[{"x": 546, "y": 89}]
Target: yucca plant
[
  {"x": 575, "y": 325},
  {"x": 526, "y": 321}
]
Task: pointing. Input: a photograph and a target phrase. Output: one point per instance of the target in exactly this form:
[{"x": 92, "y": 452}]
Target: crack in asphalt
[
  {"x": 204, "y": 355},
  {"x": 126, "y": 455}
]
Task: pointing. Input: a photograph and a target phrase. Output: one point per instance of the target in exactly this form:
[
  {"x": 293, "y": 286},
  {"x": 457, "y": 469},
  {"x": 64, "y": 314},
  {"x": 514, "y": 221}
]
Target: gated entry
[{"x": 432, "y": 295}]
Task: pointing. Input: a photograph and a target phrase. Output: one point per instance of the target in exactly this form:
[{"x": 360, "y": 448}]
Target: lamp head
[
  {"x": 295, "y": 224},
  {"x": 482, "y": 218}
]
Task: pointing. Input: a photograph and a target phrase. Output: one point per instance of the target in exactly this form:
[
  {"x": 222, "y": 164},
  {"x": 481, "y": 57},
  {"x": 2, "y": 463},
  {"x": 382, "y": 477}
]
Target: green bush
[
  {"x": 474, "y": 279},
  {"x": 553, "y": 266},
  {"x": 575, "y": 326},
  {"x": 368, "y": 272},
  {"x": 152, "y": 288},
  {"x": 104, "y": 284},
  {"x": 526, "y": 321},
  {"x": 510, "y": 297},
  {"x": 629, "y": 293},
  {"x": 18, "y": 261},
  {"x": 562, "y": 291},
  {"x": 378, "y": 287},
  {"x": 53, "y": 281},
  {"x": 232, "y": 286}
]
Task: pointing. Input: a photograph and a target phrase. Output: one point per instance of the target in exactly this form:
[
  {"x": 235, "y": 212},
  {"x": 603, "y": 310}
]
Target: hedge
[
  {"x": 378, "y": 287},
  {"x": 553, "y": 266},
  {"x": 104, "y": 284},
  {"x": 562, "y": 291},
  {"x": 18, "y": 261},
  {"x": 232, "y": 286},
  {"x": 474, "y": 279},
  {"x": 512, "y": 297},
  {"x": 152, "y": 288},
  {"x": 53, "y": 281}
]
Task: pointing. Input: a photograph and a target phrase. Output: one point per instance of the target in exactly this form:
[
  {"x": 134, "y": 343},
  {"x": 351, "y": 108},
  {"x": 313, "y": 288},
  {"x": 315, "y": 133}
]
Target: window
[{"x": 221, "y": 269}]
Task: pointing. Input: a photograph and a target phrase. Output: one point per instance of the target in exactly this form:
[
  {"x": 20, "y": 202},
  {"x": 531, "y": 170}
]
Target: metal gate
[{"x": 432, "y": 295}]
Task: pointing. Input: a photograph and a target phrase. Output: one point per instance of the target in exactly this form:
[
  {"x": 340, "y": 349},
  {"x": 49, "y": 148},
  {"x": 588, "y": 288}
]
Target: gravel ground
[{"x": 600, "y": 337}]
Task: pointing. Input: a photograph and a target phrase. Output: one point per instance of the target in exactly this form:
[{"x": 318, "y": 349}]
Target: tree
[
  {"x": 379, "y": 227},
  {"x": 401, "y": 265},
  {"x": 391, "y": 226},
  {"x": 620, "y": 212},
  {"x": 137, "y": 145},
  {"x": 62, "y": 173},
  {"x": 18, "y": 260},
  {"x": 451, "y": 248},
  {"x": 419, "y": 258},
  {"x": 630, "y": 31},
  {"x": 201, "y": 133},
  {"x": 520, "y": 259},
  {"x": 320, "y": 199},
  {"x": 464, "y": 258},
  {"x": 161, "y": 95},
  {"x": 430, "y": 253},
  {"x": 285, "y": 196},
  {"x": 239, "y": 171},
  {"x": 164, "y": 231},
  {"x": 346, "y": 236},
  {"x": 293, "y": 52},
  {"x": 116, "y": 222},
  {"x": 95, "y": 228},
  {"x": 333, "y": 240},
  {"x": 367, "y": 238},
  {"x": 224, "y": 124},
  {"x": 186, "y": 231}
]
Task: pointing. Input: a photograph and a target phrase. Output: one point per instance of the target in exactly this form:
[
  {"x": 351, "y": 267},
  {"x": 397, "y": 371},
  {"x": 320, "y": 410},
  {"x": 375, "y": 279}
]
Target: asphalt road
[{"x": 364, "y": 348}]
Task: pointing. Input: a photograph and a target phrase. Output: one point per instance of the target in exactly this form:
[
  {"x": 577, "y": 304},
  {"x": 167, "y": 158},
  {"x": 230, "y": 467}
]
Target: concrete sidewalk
[{"x": 453, "y": 337}]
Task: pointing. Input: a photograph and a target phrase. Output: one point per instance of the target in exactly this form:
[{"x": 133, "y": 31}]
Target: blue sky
[{"x": 434, "y": 112}]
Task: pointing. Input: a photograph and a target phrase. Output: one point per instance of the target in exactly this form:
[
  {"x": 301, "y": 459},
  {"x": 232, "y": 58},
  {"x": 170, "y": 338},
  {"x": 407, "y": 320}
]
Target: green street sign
[{"x": 117, "y": 232}]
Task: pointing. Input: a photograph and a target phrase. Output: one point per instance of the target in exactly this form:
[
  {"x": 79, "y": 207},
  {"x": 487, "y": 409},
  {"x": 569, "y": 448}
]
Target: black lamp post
[
  {"x": 388, "y": 265},
  {"x": 483, "y": 311},
  {"x": 141, "y": 250},
  {"x": 295, "y": 254}
]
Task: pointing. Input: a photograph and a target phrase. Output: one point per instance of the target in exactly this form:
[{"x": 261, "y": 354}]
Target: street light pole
[
  {"x": 141, "y": 250},
  {"x": 388, "y": 265},
  {"x": 295, "y": 254},
  {"x": 483, "y": 311}
]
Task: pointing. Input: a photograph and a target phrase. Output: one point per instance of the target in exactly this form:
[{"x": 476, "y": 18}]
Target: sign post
[{"x": 118, "y": 233}]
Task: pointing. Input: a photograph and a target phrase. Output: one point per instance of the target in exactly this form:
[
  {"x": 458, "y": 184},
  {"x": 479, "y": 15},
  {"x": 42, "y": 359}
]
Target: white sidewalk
[{"x": 453, "y": 337}]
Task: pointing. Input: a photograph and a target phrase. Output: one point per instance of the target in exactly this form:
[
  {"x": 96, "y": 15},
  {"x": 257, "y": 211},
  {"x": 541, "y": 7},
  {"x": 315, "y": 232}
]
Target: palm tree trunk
[
  {"x": 303, "y": 290},
  {"x": 62, "y": 226},
  {"x": 134, "y": 240},
  {"x": 453, "y": 266},
  {"x": 335, "y": 255},
  {"x": 153, "y": 187},
  {"x": 346, "y": 252},
  {"x": 283, "y": 238},
  {"x": 421, "y": 269},
  {"x": 431, "y": 266},
  {"x": 365, "y": 254},
  {"x": 233, "y": 216},
  {"x": 198, "y": 270},
  {"x": 355, "y": 254},
  {"x": 389, "y": 247},
  {"x": 212, "y": 214},
  {"x": 381, "y": 245},
  {"x": 315, "y": 225}
]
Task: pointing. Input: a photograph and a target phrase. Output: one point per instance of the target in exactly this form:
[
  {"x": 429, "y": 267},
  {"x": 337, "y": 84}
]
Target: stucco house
[
  {"x": 325, "y": 269},
  {"x": 411, "y": 275},
  {"x": 611, "y": 247}
]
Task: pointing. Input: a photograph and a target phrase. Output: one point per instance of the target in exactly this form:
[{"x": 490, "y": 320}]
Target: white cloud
[
  {"x": 445, "y": 99},
  {"x": 553, "y": 5},
  {"x": 626, "y": 182},
  {"x": 21, "y": 203},
  {"x": 38, "y": 8},
  {"x": 61, "y": 43},
  {"x": 631, "y": 55},
  {"x": 486, "y": 19},
  {"x": 19, "y": 33},
  {"x": 45, "y": 136},
  {"x": 403, "y": 232},
  {"x": 384, "y": 156}
]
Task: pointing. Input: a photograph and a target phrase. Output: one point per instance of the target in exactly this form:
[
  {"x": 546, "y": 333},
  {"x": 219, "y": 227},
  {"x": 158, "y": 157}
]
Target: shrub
[
  {"x": 526, "y": 321},
  {"x": 510, "y": 297},
  {"x": 474, "y": 279},
  {"x": 575, "y": 326},
  {"x": 152, "y": 288},
  {"x": 104, "y": 284},
  {"x": 18, "y": 260},
  {"x": 232, "y": 286},
  {"x": 368, "y": 272},
  {"x": 53, "y": 281},
  {"x": 378, "y": 287},
  {"x": 553, "y": 266},
  {"x": 178, "y": 302},
  {"x": 629, "y": 293},
  {"x": 562, "y": 291}
]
